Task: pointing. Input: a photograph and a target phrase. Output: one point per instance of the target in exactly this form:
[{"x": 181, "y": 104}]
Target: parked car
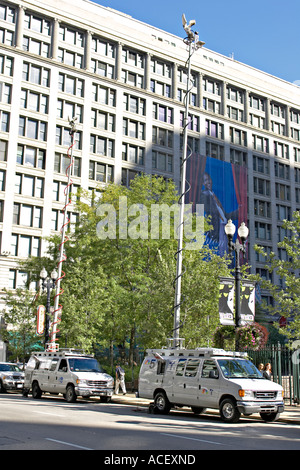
[{"x": 11, "y": 377}]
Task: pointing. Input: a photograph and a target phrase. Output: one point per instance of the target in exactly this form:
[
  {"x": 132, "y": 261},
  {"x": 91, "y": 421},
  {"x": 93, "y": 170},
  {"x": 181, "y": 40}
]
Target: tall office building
[{"x": 125, "y": 82}]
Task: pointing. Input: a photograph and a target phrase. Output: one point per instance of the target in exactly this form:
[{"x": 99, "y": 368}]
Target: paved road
[{"x": 53, "y": 424}]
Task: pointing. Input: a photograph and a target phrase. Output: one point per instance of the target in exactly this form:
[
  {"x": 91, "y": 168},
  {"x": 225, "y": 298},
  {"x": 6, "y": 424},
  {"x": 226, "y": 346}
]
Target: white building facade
[{"x": 125, "y": 81}]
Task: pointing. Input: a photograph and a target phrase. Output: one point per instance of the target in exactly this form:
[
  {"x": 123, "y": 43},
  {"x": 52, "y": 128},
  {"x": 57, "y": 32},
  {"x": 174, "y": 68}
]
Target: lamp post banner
[
  {"x": 40, "y": 321},
  {"x": 247, "y": 302},
  {"x": 226, "y": 301}
]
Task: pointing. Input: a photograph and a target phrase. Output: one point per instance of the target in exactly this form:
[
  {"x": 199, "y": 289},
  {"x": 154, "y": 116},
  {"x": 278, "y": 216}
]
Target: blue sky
[{"x": 262, "y": 33}]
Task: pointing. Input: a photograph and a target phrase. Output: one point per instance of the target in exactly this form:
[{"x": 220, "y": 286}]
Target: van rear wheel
[
  {"x": 162, "y": 403},
  {"x": 36, "y": 391}
]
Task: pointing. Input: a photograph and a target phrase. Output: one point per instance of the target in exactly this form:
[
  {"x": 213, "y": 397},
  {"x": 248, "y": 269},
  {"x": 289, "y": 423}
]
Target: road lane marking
[
  {"x": 67, "y": 443},
  {"x": 194, "y": 439}
]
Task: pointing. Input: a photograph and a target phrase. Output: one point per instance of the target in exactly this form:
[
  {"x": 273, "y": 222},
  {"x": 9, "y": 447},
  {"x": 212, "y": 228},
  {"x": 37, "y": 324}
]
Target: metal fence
[{"x": 285, "y": 369}]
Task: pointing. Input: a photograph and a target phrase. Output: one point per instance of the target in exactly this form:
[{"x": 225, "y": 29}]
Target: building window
[
  {"x": 5, "y": 93},
  {"x": 163, "y": 113},
  {"x": 102, "y": 68},
  {"x": 133, "y": 154},
  {"x": 6, "y": 65},
  {"x": 4, "y": 121},
  {"x": 283, "y": 192},
  {"x": 262, "y": 208},
  {"x": 102, "y": 146},
  {"x": 132, "y": 78},
  {"x": 71, "y": 85},
  {"x": 102, "y": 120},
  {"x": 134, "y": 104},
  {"x": 133, "y": 58},
  {"x": 101, "y": 172},
  {"x": 214, "y": 129},
  {"x": 62, "y": 162},
  {"x": 163, "y": 137},
  {"x": 24, "y": 246},
  {"x": 102, "y": 47},
  {"x": 134, "y": 129},
  {"x": 26, "y": 215},
  {"x": 37, "y": 25},
  {"x": 64, "y": 138},
  {"x": 67, "y": 110},
  {"x": 71, "y": 36},
  {"x": 162, "y": 161},
  {"x": 214, "y": 150},
  {"x": 35, "y": 74},
  {"x": 32, "y": 128},
  {"x": 29, "y": 185},
  {"x": 31, "y": 156},
  {"x": 35, "y": 46},
  {"x": 260, "y": 143},
  {"x": 34, "y": 101},
  {"x": 261, "y": 186}
]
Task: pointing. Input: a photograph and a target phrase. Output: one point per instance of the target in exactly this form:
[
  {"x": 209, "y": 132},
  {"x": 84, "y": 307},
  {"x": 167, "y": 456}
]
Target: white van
[
  {"x": 69, "y": 372},
  {"x": 208, "y": 378}
]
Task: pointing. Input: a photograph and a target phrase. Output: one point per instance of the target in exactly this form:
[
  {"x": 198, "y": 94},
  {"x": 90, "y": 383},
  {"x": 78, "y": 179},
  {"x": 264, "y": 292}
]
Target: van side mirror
[{"x": 213, "y": 374}]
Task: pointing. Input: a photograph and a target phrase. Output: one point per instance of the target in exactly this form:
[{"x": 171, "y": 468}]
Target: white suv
[{"x": 11, "y": 377}]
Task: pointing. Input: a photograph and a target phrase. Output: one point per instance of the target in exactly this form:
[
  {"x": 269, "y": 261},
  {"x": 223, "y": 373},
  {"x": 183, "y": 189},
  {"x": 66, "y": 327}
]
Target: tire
[
  {"x": 105, "y": 399},
  {"x": 198, "y": 410},
  {"x": 36, "y": 391},
  {"x": 162, "y": 403},
  {"x": 228, "y": 411},
  {"x": 2, "y": 389},
  {"x": 269, "y": 417},
  {"x": 70, "y": 394}
]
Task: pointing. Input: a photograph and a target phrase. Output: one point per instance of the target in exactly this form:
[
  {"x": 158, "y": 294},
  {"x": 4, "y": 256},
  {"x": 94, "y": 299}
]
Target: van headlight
[
  {"x": 246, "y": 393},
  {"x": 81, "y": 382}
]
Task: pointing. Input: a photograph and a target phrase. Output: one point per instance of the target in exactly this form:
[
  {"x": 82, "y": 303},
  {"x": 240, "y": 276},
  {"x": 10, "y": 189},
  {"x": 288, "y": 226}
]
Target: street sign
[{"x": 40, "y": 321}]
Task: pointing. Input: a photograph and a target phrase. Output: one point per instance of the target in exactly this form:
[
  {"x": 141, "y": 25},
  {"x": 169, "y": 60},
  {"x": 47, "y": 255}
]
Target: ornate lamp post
[
  {"x": 237, "y": 247},
  {"x": 47, "y": 284}
]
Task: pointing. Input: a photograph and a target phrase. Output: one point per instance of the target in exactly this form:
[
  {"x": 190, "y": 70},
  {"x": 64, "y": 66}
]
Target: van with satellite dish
[
  {"x": 208, "y": 378},
  {"x": 69, "y": 372}
]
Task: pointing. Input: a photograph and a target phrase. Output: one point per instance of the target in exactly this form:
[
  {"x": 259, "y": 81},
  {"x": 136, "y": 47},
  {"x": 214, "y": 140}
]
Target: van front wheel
[
  {"x": 162, "y": 403},
  {"x": 70, "y": 394},
  {"x": 228, "y": 411}
]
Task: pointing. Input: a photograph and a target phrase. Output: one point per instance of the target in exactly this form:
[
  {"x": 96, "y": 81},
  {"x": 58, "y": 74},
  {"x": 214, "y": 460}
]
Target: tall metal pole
[
  {"x": 193, "y": 44},
  {"x": 57, "y": 308}
]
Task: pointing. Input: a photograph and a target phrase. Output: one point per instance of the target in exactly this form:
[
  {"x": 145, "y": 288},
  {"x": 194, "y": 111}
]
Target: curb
[{"x": 130, "y": 399}]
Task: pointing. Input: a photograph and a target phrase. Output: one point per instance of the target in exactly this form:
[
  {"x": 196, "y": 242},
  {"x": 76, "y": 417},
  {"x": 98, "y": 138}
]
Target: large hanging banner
[
  {"x": 222, "y": 189},
  {"x": 226, "y": 301}
]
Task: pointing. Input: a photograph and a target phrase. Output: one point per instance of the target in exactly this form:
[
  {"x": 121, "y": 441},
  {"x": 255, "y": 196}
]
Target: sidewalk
[{"x": 290, "y": 415}]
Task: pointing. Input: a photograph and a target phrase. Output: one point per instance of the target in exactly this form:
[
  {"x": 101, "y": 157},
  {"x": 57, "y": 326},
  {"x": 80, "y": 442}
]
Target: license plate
[{"x": 19, "y": 385}]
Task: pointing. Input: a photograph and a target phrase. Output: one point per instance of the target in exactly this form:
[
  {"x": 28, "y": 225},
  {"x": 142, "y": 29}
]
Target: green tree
[
  {"x": 286, "y": 299},
  {"x": 120, "y": 290},
  {"x": 19, "y": 316}
]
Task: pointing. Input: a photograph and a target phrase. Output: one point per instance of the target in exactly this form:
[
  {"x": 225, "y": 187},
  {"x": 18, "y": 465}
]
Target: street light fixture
[
  {"x": 48, "y": 284},
  {"x": 237, "y": 247}
]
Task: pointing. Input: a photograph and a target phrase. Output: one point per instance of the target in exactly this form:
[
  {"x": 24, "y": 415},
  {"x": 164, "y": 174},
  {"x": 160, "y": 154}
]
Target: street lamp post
[
  {"x": 47, "y": 284},
  {"x": 237, "y": 247}
]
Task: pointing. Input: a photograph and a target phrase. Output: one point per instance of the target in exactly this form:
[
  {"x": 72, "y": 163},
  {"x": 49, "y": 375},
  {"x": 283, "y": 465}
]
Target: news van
[
  {"x": 208, "y": 378},
  {"x": 69, "y": 372}
]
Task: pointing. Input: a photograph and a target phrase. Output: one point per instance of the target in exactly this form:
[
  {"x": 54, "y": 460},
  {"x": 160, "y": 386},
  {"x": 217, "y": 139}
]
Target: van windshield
[
  {"x": 84, "y": 365},
  {"x": 239, "y": 369}
]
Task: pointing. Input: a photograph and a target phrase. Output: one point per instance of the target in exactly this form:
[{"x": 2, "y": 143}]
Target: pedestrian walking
[{"x": 120, "y": 380}]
